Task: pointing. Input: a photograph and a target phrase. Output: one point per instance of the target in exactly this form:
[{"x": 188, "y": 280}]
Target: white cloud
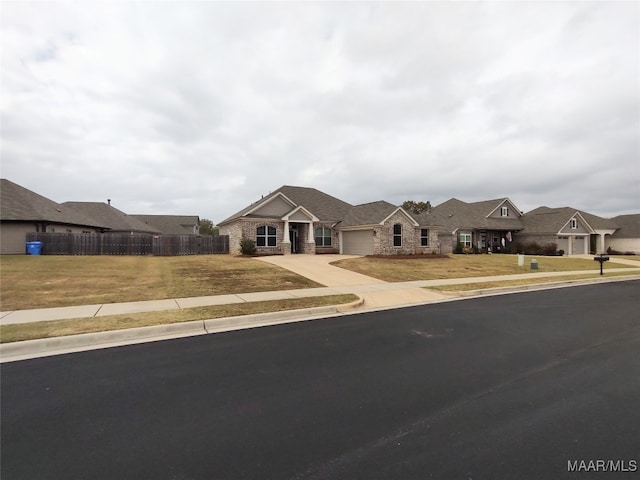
[{"x": 200, "y": 108}]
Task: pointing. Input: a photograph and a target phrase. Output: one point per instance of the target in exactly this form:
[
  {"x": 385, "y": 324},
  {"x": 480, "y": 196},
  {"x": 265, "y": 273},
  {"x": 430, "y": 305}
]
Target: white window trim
[
  {"x": 463, "y": 237},
  {"x": 573, "y": 223},
  {"x": 504, "y": 212}
]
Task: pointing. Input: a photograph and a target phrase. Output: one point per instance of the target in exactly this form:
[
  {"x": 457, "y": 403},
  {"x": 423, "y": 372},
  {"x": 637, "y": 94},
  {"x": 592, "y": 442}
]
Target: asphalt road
[{"x": 515, "y": 386}]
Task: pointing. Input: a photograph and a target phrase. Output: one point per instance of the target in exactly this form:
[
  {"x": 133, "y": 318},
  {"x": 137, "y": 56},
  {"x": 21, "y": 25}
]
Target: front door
[{"x": 293, "y": 238}]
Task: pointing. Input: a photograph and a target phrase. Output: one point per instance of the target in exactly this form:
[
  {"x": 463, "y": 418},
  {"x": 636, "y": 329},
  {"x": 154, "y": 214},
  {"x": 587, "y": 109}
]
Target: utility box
[
  {"x": 520, "y": 260},
  {"x": 534, "y": 264}
]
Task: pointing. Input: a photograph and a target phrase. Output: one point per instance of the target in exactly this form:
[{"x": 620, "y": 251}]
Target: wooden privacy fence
[{"x": 128, "y": 244}]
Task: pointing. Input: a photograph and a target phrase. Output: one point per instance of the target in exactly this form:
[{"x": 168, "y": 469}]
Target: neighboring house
[
  {"x": 627, "y": 238},
  {"x": 305, "y": 220},
  {"x": 490, "y": 224},
  {"x": 110, "y": 217},
  {"x": 574, "y": 231},
  {"x": 23, "y": 211},
  {"x": 172, "y": 224}
]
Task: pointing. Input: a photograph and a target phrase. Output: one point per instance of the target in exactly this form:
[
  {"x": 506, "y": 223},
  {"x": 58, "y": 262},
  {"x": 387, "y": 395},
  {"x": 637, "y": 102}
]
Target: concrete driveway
[
  {"x": 376, "y": 293},
  {"x": 317, "y": 268}
]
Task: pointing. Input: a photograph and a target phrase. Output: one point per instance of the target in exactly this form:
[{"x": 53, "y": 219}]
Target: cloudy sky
[{"x": 200, "y": 108}]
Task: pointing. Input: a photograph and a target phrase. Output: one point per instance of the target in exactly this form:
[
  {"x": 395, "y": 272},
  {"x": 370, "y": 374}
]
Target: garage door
[{"x": 357, "y": 243}]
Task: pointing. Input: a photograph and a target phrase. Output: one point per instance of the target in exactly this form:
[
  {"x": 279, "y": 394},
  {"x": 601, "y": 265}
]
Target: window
[
  {"x": 397, "y": 235},
  {"x": 266, "y": 236},
  {"x": 424, "y": 237},
  {"x": 504, "y": 212},
  {"x": 465, "y": 239},
  {"x": 323, "y": 237},
  {"x": 574, "y": 223}
]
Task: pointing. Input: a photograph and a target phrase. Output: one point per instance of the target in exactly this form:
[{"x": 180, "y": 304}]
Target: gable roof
[
  {"x": 553, "y": 220},
  {"x": 171, "y": 224},
  {"x": 628, "y": 226},
  {"x": 455, "y": 214},
  {"x": 368, "y": 214},
  {"x": 323, "y": 206},
  {"x": 20, "y": 204},
  {"x": 110, "y": 217}
]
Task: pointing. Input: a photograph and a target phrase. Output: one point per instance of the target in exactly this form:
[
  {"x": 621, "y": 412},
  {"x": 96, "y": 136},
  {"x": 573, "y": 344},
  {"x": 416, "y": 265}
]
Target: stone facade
[
  {"x": 246, "y": 227},
  {"x": 383, "y": 238}
]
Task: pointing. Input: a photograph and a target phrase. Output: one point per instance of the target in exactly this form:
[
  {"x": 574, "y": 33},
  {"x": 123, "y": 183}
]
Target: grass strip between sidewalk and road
[
  {"x": 74, "y": 326},
  {"x": 465, "y": 287}
]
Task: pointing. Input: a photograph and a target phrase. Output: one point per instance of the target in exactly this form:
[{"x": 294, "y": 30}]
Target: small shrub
[
  {"x": 550, "y": 249},
  {"x": 561, "y": 252},
  {"x": 247, "y": 246}
]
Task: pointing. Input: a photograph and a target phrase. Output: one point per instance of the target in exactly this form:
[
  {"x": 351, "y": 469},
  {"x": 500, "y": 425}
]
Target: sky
[{"x": 200, "y": 108}]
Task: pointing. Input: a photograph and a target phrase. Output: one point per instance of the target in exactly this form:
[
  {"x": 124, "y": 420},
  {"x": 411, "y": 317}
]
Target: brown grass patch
[
  {"x": 74, "y": 326},
  {"x": 57, "y": 281},
  {"x": 391, "y": 269}
]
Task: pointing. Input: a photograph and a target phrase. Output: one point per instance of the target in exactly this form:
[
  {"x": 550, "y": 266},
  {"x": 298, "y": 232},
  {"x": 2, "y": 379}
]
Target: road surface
[{"x": 515, "y": 386}]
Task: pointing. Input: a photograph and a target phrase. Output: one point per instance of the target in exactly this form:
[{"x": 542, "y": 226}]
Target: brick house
[{"x": 305, "y": 220}]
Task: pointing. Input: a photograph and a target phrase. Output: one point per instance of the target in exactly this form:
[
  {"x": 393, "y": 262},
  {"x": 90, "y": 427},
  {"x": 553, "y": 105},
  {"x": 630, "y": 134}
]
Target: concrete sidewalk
[{"x": 375, "y": 294}]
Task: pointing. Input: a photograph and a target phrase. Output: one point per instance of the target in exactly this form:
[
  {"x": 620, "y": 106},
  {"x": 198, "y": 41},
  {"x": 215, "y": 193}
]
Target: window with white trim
[
  {"x": 397, "y": 235},
  {"x": 504, "y": 212},
  {"x": 424, "y": 237},
  {"x": 465, "y": 239},
  {"x": 323, "y": 237},
  {"x": 265, "y": 236},
  {"x": 574, "y": 224}
]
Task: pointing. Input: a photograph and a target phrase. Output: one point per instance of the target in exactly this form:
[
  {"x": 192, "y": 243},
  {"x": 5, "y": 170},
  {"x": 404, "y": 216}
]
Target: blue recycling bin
[{"x": 34, "y": 248}]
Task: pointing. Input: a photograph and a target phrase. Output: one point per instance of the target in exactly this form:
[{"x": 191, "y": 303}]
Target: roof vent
[{"x": 108, "y": 201}]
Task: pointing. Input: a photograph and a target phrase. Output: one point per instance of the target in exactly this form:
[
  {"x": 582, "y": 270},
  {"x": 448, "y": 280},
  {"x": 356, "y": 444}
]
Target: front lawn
[
  {"x": 55, "y": 281},
  {"x": 459, "y": 266}
]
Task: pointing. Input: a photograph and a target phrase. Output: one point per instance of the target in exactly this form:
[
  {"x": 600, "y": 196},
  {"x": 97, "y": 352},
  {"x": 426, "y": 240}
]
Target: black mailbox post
[{"x": 601, "y": 258}]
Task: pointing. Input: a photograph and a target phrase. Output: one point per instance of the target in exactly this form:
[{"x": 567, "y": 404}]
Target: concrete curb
[
  {"x": 542, "y": 286},
  {"x": 15, "y": 351},
  {"x": 44, "y": 347}
]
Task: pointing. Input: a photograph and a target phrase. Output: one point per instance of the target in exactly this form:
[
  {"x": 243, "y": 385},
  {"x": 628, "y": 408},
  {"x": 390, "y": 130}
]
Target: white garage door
[{"x": 357, "y": 243}]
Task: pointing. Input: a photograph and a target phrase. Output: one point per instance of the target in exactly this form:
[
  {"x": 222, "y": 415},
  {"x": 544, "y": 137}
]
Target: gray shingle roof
[
  {"x": 629, "y": 226},
  {"x": 456, "y": 214},
  {"x": 20, "y": 204},
  {"x": 551, "y": 220},
  {"x": 367, "y": 214},
  {"x": 110, "y": 217},
  {"x": 322, "y": 205},
  {"x": 170, "y": 224}
]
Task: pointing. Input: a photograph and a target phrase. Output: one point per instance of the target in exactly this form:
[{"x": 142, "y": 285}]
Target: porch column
[
  {"x": 285, "y": 234},
  {"x": 311, "y": 237},
  {"x": 602, "y": 250},
  {"x": 586, "y": 244}
]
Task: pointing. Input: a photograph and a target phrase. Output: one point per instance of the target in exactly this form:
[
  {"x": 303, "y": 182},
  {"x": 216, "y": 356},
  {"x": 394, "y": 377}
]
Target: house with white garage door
[
  {"x": 574, "y": 231},
  {"x": 305, "y": 220}
]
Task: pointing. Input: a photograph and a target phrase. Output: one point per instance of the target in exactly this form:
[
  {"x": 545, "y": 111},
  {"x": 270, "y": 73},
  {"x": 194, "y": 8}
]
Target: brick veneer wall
[
  {"x": 247, "y": 228},
  {"x": 433, "y": 246},
  {"x": 383, "y": 240}
]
